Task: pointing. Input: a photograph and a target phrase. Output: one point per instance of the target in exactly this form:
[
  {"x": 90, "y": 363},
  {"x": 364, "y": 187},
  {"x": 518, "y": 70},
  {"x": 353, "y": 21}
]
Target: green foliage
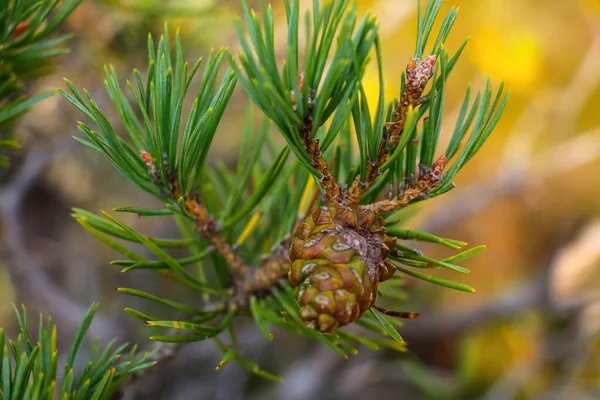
[
  {"x": 26, "y": 52},
  {"x": 256, "y": 205},
  {"x": 160, "y": 101},
  {"x": 29, "y": 369},
  {"x": 159, "y": 9},
  {"x": 322, "y": 90}
]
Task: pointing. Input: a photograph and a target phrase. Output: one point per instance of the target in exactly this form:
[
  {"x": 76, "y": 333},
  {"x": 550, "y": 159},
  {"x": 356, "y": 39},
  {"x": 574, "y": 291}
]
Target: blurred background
[{"x": 532, "y": 195}]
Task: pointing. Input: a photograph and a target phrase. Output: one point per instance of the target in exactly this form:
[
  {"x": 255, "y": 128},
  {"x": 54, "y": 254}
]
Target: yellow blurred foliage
[
  {"x": 591, "y": 5},
  {"x": 492, "y": 350},
  {"x": 514, "y": 56}
]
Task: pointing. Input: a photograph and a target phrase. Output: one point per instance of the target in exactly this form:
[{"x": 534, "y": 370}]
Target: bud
[
  {"x": 418, "y": 73},
  {"x": 20, "y": 28},
  {"x": 147, "y": 157}
]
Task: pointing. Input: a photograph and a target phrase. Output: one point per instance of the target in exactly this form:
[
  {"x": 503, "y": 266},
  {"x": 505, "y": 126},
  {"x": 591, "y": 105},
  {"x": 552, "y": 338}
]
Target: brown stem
[
  {"x": 327, "y": 180},
  {"x": 429, "y": 179},
  {"x": 246, "y": 280},
  {"x": 206, "y": 225},
  {"x": 274, "y": 267},
  {"x": 332, "y": 189},
  {"x": 417, "y": 76}
]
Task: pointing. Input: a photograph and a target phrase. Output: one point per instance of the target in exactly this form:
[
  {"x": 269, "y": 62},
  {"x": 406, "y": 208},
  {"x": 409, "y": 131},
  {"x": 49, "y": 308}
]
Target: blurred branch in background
[{"x": 31, "y": 284}]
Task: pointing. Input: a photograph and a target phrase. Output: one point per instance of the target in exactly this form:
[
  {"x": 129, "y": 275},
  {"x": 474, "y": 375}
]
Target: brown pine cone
[{"x": 338, "y": 258}]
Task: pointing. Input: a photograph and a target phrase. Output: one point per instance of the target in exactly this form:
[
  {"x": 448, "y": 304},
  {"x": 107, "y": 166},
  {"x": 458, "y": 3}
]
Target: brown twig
[
  {"x": 274, "y": 267},
  {"x": 205, "y": 223},
  {"x": 246, "y": 280},
  {"x": 429, "y": 179},
  {"x": 327, "y": 180},
  {"x": 417, "y": 76}
]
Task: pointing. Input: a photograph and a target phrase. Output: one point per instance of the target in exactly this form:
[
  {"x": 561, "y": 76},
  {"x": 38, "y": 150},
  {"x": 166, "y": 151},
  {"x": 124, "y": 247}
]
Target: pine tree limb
[
  {"x": 204, "y": 221},
  {"x": 327, "y": 180},
  {"x": 418, "y": 73},
  {"x": 274, "y": 268},
  {"x": 429, "y": 179}
]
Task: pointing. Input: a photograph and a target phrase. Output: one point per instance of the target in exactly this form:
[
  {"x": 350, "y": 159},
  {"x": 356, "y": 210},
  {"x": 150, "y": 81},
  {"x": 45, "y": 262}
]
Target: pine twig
[
  {"x": 429, "y": 179},
  {"x": 274, "y": 267},
  {"x": 246, "y": 280},
  {"x": 327, "y": 180},
  {"x": 417, "y": 76},
  {"x": 205, "y": 223}
]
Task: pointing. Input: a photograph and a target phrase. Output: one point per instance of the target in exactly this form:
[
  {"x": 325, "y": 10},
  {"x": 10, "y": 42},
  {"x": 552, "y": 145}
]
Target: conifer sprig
[
  {"x": 27, "y": 51},
  {"x": 29, "y": 369},
  {"x": 300, "y": 97},
  {"x": 237, "y": 225}
]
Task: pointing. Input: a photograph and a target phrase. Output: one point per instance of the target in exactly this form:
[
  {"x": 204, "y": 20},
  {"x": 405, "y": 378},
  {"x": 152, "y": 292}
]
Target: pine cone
[{"x": 338, "y": 258}]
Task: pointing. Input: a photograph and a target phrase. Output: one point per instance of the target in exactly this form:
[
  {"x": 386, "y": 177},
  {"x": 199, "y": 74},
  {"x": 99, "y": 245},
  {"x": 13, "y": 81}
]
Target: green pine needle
[{"x": 29, "y": 370}]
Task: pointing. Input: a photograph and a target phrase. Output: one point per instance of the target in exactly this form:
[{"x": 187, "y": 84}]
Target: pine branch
[
  {"x": 26, "y": 52},
  {"x": 417, "y": 76},
  {"x": 428, "y": 179},
  {"x": 205, "y": 223},
  {"x": 327, "y": 179},
  {"x": 29, "y": 370},
  {"x": 301, "y": 103},
  {"x": 338, "y": 251}
]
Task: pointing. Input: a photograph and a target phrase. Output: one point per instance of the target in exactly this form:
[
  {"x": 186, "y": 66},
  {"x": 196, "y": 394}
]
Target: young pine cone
[{"x": 338, "y": 258}]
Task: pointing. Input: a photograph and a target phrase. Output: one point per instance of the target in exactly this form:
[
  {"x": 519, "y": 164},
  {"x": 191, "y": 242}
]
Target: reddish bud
[
  {"x": 419, "y": 73},
  {"x": 20, "y": 28},
  {"x": 147, "y": 157},
  {"x": 438, "y": 166}
]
